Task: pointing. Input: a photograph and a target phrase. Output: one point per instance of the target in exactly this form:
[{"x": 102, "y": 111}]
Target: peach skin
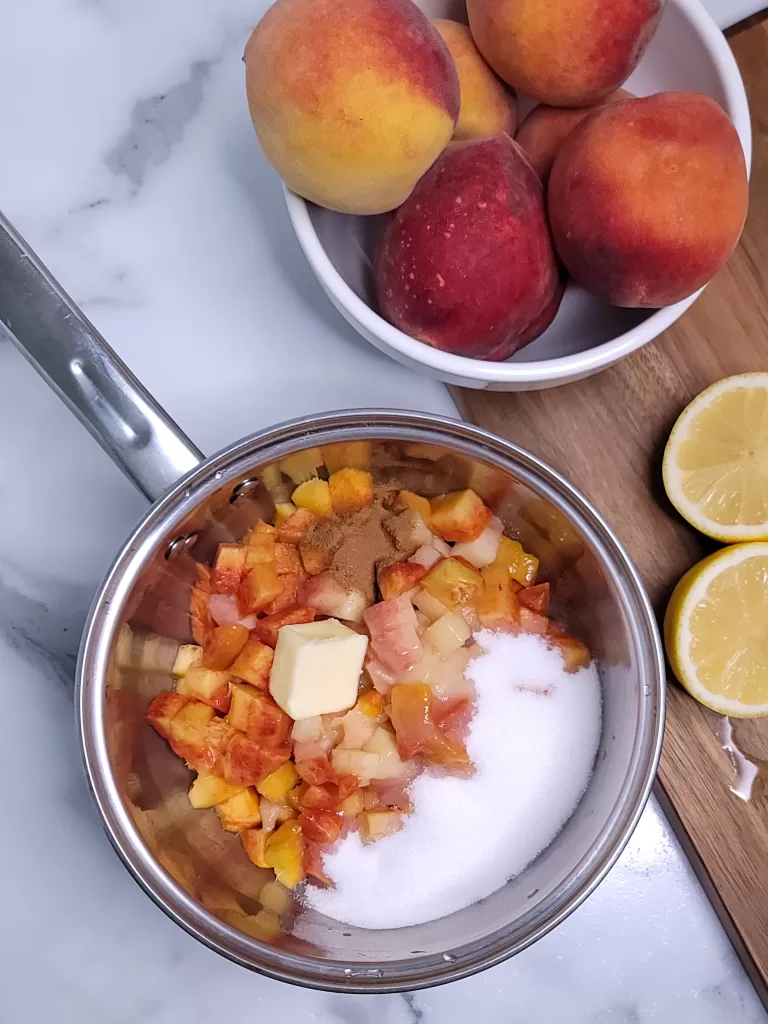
[
  {"x": 466, "y": 264},
  {"x": 352, "y": 100},
  {"x": 545, "y": 129},
  {"x": 568, "y": 53},
  {"x": 488, "y": 106},
  {"x": 647, "y": 198}
]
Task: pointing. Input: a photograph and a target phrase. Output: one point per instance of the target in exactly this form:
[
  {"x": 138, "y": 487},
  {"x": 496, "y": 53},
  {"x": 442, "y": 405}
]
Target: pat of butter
[{"x": 317, "y": 668}]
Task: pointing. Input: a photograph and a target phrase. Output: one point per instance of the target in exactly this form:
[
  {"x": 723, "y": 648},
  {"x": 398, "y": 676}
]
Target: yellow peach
[
  {"x": 488, "y": 106},
  {"x": 352, "y": 100}
]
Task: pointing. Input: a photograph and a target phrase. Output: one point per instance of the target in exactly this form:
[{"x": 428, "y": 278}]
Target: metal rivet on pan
[
  {"x": 179, "y": 545},
  {"x": 244, "y": 488}
]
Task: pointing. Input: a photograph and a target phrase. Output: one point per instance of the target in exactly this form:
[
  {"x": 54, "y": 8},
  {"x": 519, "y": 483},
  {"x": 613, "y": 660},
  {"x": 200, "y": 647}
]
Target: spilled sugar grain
[{"x": 533, "y": 741}]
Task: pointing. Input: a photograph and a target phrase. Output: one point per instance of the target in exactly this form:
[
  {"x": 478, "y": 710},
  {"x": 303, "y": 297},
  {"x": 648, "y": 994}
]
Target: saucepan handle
[{"x": 70, "y": 354}]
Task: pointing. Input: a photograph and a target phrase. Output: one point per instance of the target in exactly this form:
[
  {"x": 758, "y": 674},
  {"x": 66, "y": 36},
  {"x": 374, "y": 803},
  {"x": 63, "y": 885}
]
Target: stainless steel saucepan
[{"x": 199, "y": 874}]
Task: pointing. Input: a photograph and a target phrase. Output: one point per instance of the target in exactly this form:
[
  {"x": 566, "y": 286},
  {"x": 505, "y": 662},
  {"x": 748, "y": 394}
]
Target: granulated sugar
[{"x": 533, "y": 741}]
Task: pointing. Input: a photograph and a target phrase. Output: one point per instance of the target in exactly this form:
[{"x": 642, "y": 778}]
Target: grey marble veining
[{"x": 130, "y": 164}]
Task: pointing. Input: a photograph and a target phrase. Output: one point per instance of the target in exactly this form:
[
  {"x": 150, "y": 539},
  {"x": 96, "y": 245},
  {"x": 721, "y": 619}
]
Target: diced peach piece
[
  {"x": 307, "y": 730},
  {"x": 292, "y": 531},
  {"x": 447, "y": 634},
  {"x": 316, "y": 770},
  {"x": 288, "y": 596},
  {"x": 429, "y": 605},
  {"x": 283, "y": 511},
  {"x": 259, "y": 586},
  {"x": 313, "y": 864},
  {"x": 520, "y": 565},
  {"x": 207, "y": 685},
  {"x": 254, "y": 842},
  {"x": 536, "y": 598},
  {"x": 533, "y": 622},
  {"x": 575, "y": 654},
  {"x": 200, "y": 619},
  {"x": 497, "y": 605},
  {"x": 325, "y": 797},
  {"x": 267, "y": 629},
  {"x": 287, "y": 560},
  {"x": 347, "y": 784},
  {"x": 259, "y": 546},
  {"x": 320, "y": 826},
  {"x": 188, "y": 656},
  {"x": 278, "y": 785},
  {"x": 284, "y": 852},
  {"x": 395, "y": 793},
  {"x": 426, "y": 555},
  {"x": 371, "y": 703},
  {"x": 382, "y": 679},
  {"x": 270, "y": 812},
  {"x": 314, "y": 495},
  {"x": 350, "y": 489},
  {"x": 328, "y": 596},
  {"x": 209, "y": 790},
  {"x": 394, "y": 637},
  {"x": 314, "y": 560},
  {"x": 399, "y": 578},
  {"x": 371, "y": 800},
  {"x": 352, "y": 805},
  {"x": 357, "y": 728},
  {"x": 245, "y": 762},
  {"x": 257, "y": 715},
  {"x": 375, "y": 824},
  {"x": 285, "y": 812},
  {"x": 460, "y": 516},
  {"x": 302, "y": 465},
  {"x": 228, "y": 568},
  {"x": 384, "y": 744},
  {"x": 223, "y": 646},
  {"x": 356, "y": 762},
  {"x": 453, "y": 582},
  {"x": 272, "y": 480},
  {"x": 225, "y": 612},
  {"x": 416, "y": 502},
  {"x": 483, "y": 550},
  {"x": 453, "y": 715},
  {"x": 347, "y": 455},
  {"x": 183, "y": 722},
  {"x": 240, "y": 811},
  {"x": 253, "y": 664},
  {"x": 417, "y": 733}
]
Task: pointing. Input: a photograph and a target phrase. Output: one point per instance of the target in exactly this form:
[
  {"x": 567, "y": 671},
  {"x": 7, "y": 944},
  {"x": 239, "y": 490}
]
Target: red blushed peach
[
  {"x": 647, "y": 199},
  {"x": 545, "y": 129},
  {"x": 352, "y": 100},
  {"x": 568, "y": 53},
  {"x": 466, "y": 264},
  {"x": 487, "y": 105}
]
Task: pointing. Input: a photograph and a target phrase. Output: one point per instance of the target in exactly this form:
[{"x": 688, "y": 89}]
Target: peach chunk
[
  {"x": 223, "y": 645},
  {"x": 399, "y": 578},
  {"x": 253, "y": 664},
  {"x": 460, "y": 516},
  {"x": 352, "y": 100},
  {"x": 466, "y": 264},
  {"x": 207, "y": 685},
  {"x": 546, "y": 128},
  {"x": 487, "y": 105},
  {"x": 257, "y": 715},
  {"x": 228, "y": 568},
  {"x": 648, "y": 198},
  {"x": 351, "y": 490},
  {"x": 570, "y": 53},
  {"x": 184, "y": 723}
]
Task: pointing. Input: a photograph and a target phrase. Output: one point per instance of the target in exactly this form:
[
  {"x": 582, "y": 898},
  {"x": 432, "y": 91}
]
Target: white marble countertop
[{"x": 130, "y": 165}]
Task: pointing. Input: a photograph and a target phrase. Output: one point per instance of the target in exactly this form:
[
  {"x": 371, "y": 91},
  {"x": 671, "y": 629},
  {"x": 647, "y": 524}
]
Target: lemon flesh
[
  {"x": 716, "y": 631},
  {"x": 716, "y": 461}
]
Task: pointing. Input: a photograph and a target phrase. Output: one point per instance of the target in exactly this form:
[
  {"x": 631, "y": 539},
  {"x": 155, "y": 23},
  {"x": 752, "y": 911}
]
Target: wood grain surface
[{"x": 607, "y": 435}]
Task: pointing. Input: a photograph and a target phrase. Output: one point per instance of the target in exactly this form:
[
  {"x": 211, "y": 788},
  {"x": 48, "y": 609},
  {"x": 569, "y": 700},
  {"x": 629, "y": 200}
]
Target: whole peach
[
  {"x": 546, "y": 128},
  {"x": 352, "y": 100},
  {"x": 568, "y": 53},
  {"x": 647, "y": 198},
  {"x": 466, "y": 264},
  {"x": 487, "y": 105}
]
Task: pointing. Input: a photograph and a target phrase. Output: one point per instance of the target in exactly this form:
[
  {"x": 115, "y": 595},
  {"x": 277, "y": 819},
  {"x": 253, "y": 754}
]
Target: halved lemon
[
  {"x": 716, "y": 631},
  {"x": 716, "y": 461}
]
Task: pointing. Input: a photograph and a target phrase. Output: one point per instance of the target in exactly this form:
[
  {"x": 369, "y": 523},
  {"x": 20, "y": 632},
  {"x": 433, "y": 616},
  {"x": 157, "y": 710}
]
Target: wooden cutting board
[{"x": 607, "y": 435}]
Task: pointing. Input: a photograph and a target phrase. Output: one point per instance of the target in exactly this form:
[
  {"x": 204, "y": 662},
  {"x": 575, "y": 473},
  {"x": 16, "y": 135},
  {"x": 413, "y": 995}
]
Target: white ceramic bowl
[{"x": 688, "y": 52}]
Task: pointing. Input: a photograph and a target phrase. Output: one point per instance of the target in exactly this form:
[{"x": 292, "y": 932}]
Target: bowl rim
[
  {"x": 562, "y": 368},
  {"x": 237, "y": 462}
]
